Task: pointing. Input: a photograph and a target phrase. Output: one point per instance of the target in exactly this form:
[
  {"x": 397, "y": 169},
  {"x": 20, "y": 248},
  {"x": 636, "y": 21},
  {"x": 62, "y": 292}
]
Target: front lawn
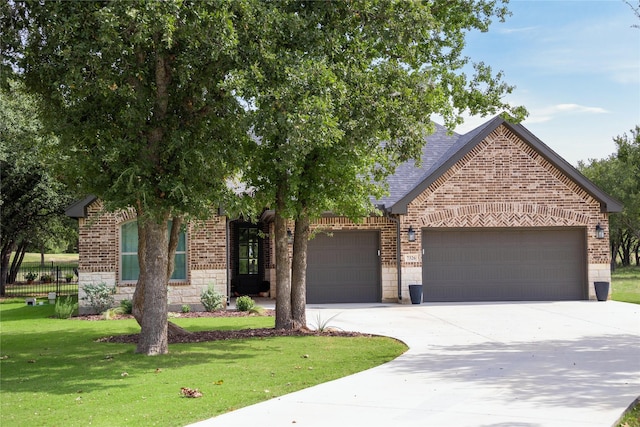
[
  {"x": 53, "y": 372},
  {"x": 625, "y": 282}
]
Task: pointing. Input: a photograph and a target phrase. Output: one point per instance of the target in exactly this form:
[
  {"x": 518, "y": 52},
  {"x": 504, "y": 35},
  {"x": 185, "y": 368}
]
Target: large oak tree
[
  {"x": 136, "y": 92},
  {"x": 328, "y": 83}
]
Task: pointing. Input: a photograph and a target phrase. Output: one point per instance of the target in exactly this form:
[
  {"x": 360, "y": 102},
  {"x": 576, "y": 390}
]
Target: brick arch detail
[
  {"x": 504, "y": 215},
  {"x": 125, "y": 215}
]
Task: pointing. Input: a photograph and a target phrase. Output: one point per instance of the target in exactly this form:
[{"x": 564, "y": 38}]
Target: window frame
[{"x": 122, "y": 254}]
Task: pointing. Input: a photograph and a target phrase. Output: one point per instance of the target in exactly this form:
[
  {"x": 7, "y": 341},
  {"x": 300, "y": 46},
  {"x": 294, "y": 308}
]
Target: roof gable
[
  {"x": 79, "y": 208},
  {"x": 461, "y": 145}
]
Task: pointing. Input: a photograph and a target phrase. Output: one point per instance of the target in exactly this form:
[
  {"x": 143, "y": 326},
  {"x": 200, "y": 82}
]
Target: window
[
  {"x": 130, "y": 269},
  {"x": 248, "y": 247}
]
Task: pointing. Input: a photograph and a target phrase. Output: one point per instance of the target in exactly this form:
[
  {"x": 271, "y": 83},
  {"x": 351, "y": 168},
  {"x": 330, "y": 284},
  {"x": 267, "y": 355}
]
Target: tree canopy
[
  {"x": 154, "y": 103},
  {"x": 136, "y": 93},
  {"x": 340, "y": 93},
  {"x": 619, "y": 175},
  {"x": 32, "y": 200}
]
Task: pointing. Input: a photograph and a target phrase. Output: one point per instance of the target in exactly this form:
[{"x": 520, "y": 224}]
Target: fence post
[{"x": 57, "y": 280}]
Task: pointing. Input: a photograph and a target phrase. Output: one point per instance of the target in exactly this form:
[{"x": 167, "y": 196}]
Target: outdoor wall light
[
  {"x": 412, "y": 234},
  {"x": 289, "y": 235},
  {"x": 599, "y": 232}
]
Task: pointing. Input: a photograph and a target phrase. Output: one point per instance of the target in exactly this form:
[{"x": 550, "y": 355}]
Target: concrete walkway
[{"x": 481, "y": 364}]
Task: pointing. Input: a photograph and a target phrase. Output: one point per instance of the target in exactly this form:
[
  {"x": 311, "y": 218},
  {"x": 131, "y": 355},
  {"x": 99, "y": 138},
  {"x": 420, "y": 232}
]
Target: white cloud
[
  {"x": 516, "y": 30},
  {"x": 545, "y": 114}
]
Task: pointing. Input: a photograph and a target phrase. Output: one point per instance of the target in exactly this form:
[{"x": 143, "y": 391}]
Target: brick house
[{"x": 492, "y": 215}]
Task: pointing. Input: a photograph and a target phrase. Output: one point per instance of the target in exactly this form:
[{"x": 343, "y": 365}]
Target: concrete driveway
[{"x": 481, "y": 364}]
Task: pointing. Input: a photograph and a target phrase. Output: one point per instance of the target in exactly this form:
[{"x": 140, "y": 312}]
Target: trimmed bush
[
  {"x": 100, "y": 296},
  {"x": 245, "y": 303},
  {"x": 211, "y": 299},
  {"x": 127, "y": 306}
]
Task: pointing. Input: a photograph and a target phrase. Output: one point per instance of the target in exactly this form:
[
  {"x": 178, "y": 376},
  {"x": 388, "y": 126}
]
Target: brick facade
[
  {"x": 502, "y": 182},
  {"x": 99, "y": 256}
]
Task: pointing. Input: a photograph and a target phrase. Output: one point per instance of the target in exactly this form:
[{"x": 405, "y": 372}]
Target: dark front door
[{"x": 248, "y": 260}]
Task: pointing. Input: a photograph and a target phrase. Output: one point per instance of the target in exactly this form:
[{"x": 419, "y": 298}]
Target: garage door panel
[
  {"x": 344, "y": 267},
  {"x": 495, "y": 265}
]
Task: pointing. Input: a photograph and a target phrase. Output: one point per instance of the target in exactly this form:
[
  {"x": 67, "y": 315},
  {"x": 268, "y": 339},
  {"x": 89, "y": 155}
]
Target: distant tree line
[{"x": 619, "y": 175}]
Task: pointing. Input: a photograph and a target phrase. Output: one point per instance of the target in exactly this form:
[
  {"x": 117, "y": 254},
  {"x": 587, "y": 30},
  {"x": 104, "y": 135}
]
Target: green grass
[
  {"x": 53, "y": 372},
  {"x": 631, "y": 418},
  {"x": 48, "y": 258},
  {"x": 625, "y": 284}
]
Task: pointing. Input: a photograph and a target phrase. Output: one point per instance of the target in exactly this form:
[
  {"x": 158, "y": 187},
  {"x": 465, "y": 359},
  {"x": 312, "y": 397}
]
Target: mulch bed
[{"x": 218, "y": 335}]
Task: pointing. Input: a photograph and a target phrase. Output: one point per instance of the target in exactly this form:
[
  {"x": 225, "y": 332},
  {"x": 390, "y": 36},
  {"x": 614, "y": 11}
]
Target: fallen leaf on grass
[
  {"x": 190, "y": 392},
  {"x": 219, "y": 382}
]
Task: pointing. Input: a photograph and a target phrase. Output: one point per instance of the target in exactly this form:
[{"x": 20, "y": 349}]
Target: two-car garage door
[{"x": 504, "y": 264}]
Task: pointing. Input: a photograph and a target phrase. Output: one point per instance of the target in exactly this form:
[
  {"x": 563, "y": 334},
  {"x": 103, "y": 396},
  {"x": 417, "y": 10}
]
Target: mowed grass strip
[
  {"x": 53, "y": 372},
  {"x": 625, "y": 282}
]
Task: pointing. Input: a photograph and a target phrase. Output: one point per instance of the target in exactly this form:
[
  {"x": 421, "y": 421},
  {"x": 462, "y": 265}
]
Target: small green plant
[
  {"x": 127, "y": 306},
  {"x": 65, "y": 307},
  {"x": 68, "y": 277},
  {"x": 257, "y": 310},
  {"x": 112, "y": 313},
  {"x": 322, "y": 325},
  {"x": 100, "y": 296},
  {"x": 186, "y": 308},
  {"x": 30, "y": 276},
  {"x": 245, "y": 303},
  {"x": 211, "y": 299},
  {"x": 46, "y": 278}
]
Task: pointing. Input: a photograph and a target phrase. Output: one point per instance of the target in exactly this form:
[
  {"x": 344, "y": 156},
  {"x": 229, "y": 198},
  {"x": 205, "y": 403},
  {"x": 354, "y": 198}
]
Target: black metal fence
[{"x": 36, "y": 280}]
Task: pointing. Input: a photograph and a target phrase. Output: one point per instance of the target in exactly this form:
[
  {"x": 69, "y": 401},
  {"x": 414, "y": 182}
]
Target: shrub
[
  {"x": 127, "y": 306},
  {"x": 100, "y": 296},
  {"x": 30, "y": 276},
  {"x": 186, "y": 308},
  {"x": 211, "y": 299},
  {"x": 245, "y": 303},
  {"x": 65, "y": 307}
]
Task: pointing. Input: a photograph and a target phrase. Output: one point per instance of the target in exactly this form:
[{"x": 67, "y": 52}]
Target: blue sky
[{"x": 576, "y": 68}]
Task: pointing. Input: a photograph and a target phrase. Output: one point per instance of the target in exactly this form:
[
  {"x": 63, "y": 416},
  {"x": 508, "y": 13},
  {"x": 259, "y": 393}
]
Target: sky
[{"x": 576, "y": 68}]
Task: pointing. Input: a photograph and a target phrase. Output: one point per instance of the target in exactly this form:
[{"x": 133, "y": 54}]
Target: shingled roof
[{"x": 443, "y": 150}]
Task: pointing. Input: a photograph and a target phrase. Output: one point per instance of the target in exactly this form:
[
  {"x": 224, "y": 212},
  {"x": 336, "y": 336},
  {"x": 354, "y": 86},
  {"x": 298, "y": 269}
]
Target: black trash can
[
  {"x": 602, "y": 290},
  {"x": 415, "y": 292}
]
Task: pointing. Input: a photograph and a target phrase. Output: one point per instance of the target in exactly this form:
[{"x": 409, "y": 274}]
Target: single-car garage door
[
  {"x": 504, "y": 264},
  {"x": 344, "y": 267}
]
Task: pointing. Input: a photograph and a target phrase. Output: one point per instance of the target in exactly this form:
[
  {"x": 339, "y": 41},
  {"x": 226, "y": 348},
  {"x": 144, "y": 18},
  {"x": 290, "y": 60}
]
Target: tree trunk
[
  {"x": 173, "y": 330},
  {"x": 299, "y": 273},
  {"x": 154, "y": 328},
  {"x": 4, "y": 267},
  {"x": 174, "y": 236},
  {"x": 138, "y": 294},
  {"x": 283, "y": 278}
]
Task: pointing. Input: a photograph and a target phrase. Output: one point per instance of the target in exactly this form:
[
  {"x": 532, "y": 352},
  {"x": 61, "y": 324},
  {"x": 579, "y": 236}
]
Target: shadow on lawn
[
  {"x": 68, "y": 359},
  {"x": 587, "y": 369}
]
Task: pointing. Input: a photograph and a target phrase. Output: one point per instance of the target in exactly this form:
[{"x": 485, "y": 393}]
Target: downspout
[
  {"x": 227, "y": 252},
  {"x": 398, "y": 253}
]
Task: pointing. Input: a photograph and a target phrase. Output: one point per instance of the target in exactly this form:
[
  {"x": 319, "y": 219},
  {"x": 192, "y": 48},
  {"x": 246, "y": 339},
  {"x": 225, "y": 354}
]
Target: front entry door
[{"x": 248, "y": 266}]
